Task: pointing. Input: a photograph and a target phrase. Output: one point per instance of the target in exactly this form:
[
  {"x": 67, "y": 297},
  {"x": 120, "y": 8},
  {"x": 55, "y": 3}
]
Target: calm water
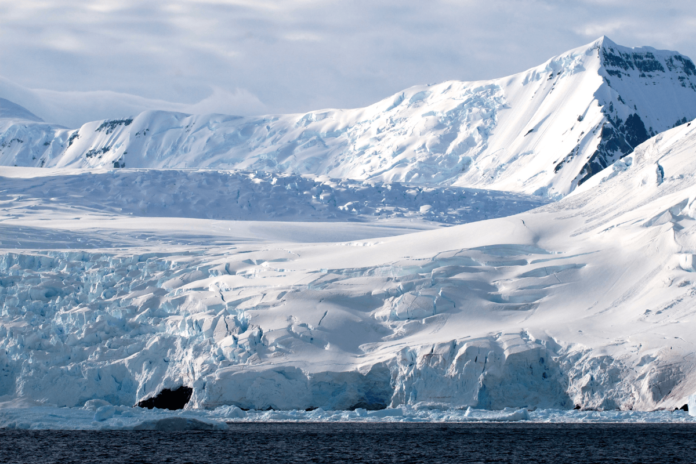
[{"x": 331, "y": 443}]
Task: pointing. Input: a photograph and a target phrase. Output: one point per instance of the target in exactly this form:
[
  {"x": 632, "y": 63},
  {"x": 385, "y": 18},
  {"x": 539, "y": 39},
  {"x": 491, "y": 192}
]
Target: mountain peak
[
  {"x": 605, "y": 41},
  {"x": 644, "y": 62}
]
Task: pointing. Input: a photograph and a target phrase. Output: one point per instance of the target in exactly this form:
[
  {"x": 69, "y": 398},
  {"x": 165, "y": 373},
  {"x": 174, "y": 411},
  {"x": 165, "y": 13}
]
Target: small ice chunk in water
[
  {"x": 175, "y": 424},
  {"x": 104, "y": 413},
  {"x": 692, "y": 405},
  {"x": 93, "y": 405},
  {"x": 230, "y": 412}
]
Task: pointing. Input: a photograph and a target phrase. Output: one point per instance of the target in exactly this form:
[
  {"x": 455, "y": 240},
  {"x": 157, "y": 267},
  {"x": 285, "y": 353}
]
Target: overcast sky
[{"x": 264, "y": 56}]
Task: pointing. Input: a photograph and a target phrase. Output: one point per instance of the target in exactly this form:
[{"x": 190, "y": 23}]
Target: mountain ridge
[
  {"x": 543, "y": 131},
  {"x": 10, "y": 110}
]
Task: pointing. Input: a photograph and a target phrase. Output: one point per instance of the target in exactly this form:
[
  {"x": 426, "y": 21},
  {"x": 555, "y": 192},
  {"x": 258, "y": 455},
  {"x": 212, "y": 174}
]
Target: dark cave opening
[{"x": 168, "y": 399}]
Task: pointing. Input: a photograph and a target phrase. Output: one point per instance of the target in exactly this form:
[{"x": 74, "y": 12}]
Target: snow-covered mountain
[
  {"x": 588, "y": 301},
  {"x": 543, "y": 131}
]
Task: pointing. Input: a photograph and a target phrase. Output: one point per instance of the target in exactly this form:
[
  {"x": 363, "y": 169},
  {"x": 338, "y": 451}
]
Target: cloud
[
  {"x": 238, "y": 102},
  {"x": 592, "y": 30},
  {"x": 299, "y": 55}
]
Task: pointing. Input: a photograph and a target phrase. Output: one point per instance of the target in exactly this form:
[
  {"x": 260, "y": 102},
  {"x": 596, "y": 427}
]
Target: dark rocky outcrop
[
  {"x": 110, "y": 126},
  {"x": 617, "y": 139}
]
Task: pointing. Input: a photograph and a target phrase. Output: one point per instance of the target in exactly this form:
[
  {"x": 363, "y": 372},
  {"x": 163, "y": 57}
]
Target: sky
[{"x": 111, "y": 57}]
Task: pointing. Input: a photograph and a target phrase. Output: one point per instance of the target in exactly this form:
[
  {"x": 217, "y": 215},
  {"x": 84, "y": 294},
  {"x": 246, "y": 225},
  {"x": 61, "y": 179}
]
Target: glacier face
[
  {"x": 584, "y": 302},
  {"x": 543, "y": 131}
]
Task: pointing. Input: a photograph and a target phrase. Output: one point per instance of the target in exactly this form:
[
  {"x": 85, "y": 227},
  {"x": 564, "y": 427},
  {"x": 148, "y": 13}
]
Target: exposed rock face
[{"x": 619, "y": 137}]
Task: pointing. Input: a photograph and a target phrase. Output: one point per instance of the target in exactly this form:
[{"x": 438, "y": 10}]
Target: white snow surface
[
  {"x": 585, "y": 302},
  {"x": 541, "y": 131}
]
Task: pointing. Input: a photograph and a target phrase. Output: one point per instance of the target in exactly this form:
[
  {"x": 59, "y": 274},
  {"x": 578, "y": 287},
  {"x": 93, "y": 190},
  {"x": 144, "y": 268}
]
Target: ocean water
[{"x": 358, "y": 443}]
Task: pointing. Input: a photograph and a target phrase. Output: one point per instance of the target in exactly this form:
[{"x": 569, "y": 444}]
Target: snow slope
[
  {"x": 588, "y": 301},
  {"x": 543, "y": 131},
  {"x": 26, "y": 139}
]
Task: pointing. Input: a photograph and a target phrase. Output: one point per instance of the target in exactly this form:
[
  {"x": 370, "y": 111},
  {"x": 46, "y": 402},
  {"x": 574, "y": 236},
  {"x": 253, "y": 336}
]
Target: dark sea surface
[{"x": 354, "y": 442}]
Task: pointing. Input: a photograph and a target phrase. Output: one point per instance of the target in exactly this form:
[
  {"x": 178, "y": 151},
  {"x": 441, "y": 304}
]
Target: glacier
[
  {"x": 247, "y": 196},
  {"x": 543, "y": 131},
  {"x": 525, "y": 253},
  {"x": 585, "y": 302}
]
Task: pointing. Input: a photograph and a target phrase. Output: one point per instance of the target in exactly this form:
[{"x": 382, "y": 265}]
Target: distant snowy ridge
[
  {"x": 74, "y": 108},
  {"x": 9, "y": 110},
  {"x": 543, "y": 131},
  {"x": 586, "y": 302}
]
